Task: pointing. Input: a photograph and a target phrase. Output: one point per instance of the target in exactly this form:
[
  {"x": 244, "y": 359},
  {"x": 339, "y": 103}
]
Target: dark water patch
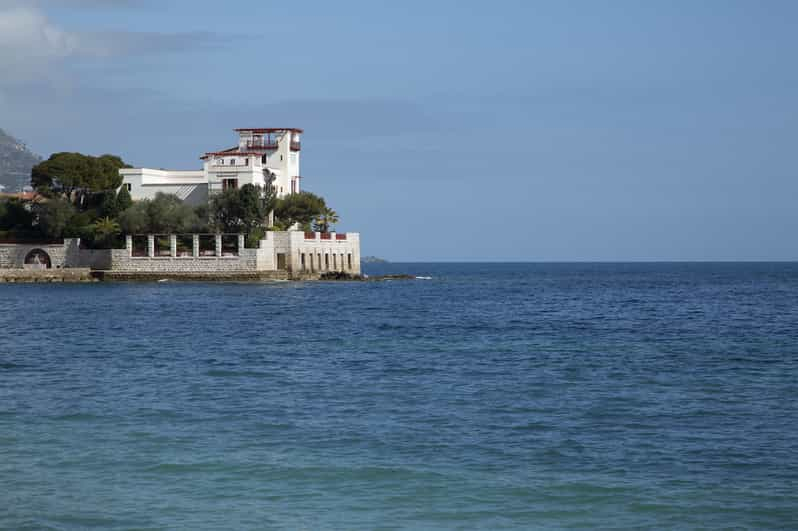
[
  {"x": 218, "y": 373},
  {"x": 9, "y": 366},
  {"x": 187, "y": 468},
  {"x": 76, "y": 417}
]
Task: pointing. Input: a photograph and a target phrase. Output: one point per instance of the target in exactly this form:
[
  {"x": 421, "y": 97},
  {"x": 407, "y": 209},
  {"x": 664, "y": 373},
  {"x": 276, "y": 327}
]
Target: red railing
[
  {"x": 310, "y": 235},
  {"x": 340, "y": 236},
  {"x": 325, "y": 236}
]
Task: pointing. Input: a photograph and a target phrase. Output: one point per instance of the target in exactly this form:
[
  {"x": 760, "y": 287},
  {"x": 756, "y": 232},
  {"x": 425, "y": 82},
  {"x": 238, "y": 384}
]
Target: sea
[{"x": 472, "y": 396}]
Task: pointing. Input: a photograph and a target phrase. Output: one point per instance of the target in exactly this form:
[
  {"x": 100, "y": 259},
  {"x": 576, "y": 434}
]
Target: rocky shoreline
[
  {"x": 87, "y": 275},
  {"x": 46, "y": 275}
]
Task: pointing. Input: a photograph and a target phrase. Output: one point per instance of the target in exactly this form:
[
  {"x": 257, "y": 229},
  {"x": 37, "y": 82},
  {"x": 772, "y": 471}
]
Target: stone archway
[{"x": 38, "y": 259}]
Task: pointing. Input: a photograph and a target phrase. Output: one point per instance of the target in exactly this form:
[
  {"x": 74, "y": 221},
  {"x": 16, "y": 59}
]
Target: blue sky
[{"x": 448, "y": 130}]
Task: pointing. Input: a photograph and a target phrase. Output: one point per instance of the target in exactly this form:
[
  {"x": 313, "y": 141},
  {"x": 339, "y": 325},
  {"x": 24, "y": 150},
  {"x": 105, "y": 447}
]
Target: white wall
[{"x": 145, "y": 183}]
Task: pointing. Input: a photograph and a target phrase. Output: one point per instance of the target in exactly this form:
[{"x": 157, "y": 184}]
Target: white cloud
[
  {"x": 33, "y": 47},
  {"x": 29, "y": 42}
]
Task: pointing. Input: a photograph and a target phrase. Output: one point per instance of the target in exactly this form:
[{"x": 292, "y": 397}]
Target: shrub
[{"x": 54, "y": 217}]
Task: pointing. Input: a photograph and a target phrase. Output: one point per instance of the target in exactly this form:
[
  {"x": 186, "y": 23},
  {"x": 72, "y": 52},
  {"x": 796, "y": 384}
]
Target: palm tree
[
  {"x": 331, "y": 216},
  {"x": 105, "y": 230},
  {"x": 325, "y": 219}
]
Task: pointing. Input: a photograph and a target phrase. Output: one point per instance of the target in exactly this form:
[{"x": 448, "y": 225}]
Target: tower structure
[{"x": 263, "y": 156}]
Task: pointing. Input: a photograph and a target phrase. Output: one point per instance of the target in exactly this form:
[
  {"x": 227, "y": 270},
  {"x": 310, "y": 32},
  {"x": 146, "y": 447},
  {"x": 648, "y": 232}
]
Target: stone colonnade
[
  {"x": 195, "y": 248},
  {"x": 324, "y": 261}
]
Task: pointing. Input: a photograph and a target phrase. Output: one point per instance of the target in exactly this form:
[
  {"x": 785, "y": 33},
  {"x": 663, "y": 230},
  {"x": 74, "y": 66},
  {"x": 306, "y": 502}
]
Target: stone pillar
[
  {"x": 218, "y": 245},
  {"x": 173, "y": 245},
  {"x": 241, "y": 243},
  {"x": 150, "y": 245},
  {"x": 195, "y": 246},
  {"x": 129, "y": 244}
]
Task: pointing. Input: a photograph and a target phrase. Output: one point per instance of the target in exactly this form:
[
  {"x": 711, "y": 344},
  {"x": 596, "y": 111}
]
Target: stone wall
[
  {"x": 246, "y": 261},
  {"x": 295, "y": 252},
  {"x": 12, "y": 255},
  {"x": 282, "y": 250},
  {"x": 96, "y": 259},
  {"x": 62, "y": 255}
]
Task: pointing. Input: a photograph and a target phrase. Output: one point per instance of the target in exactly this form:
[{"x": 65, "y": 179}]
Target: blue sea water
[{"x": 491, "y": 396}]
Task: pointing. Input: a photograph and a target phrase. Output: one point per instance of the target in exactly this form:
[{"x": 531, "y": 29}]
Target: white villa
[{"x": 262, "y": 154}]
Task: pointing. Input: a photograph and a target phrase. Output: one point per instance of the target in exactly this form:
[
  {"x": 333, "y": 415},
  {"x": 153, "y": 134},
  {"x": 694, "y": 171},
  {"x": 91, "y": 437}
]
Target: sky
[{"x": 510, "y": 130}]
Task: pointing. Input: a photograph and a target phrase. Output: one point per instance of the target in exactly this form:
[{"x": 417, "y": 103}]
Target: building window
[
  {"x": 229, "y": 184},
  {"x": 246, "y": 161},
  {"x": 232, "y": 162},
  {"x": 129, "y": 187},
  {"x": 293, "y": 185}
]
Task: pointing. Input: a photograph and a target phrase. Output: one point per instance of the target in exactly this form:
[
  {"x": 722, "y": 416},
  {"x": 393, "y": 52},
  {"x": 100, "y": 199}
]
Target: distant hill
[
  {"x": 15, "y": 163},
  {"x": 373, "y": 260}
]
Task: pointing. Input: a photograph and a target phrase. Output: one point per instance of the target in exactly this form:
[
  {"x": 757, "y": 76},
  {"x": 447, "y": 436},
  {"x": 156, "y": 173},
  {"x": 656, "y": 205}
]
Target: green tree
[
  {"x": 80, "y": 226},
  {"x": 108, "y": 204},
  {"x": 254, "y": 236},
  {"x": 105, "y": 231},
  {"x": 168, "y": 214},
  {"x": 123, "y": 199},
  {"x": 241, "y": 210},
  {"x": 75, "y": 175},
  {"x": 323, "y": 222},
  {"x": 302, "y": 208},
  {"x": 15, "y": 214},
  {"x": 136, "y": 219},
  {"x": 53, "y": 217}
]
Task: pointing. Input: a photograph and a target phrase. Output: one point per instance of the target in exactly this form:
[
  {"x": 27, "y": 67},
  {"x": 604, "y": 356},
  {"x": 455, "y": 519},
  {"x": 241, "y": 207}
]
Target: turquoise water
[{"x": 491, "y": 396}]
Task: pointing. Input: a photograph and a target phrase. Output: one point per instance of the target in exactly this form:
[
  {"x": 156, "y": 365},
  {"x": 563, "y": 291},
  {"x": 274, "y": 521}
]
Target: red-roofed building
[{"x": 33, "y": 197}]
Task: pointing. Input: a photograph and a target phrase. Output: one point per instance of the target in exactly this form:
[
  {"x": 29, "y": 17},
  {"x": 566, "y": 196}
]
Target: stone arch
[{"x": 38, "y": 258}]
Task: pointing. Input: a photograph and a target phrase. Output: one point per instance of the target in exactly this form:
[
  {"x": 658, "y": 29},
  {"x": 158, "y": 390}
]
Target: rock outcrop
[{"x": 16, "y": 161}]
